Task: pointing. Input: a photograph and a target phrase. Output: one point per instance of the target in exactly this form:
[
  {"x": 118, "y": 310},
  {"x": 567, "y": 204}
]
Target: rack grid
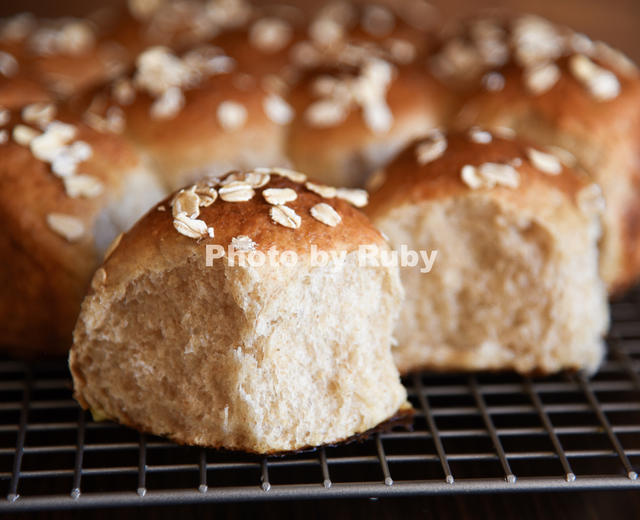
[{"x": 472, "y": 433}]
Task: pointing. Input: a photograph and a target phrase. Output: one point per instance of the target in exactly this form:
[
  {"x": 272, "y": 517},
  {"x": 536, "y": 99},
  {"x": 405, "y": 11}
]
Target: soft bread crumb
[
  {"x": 243, "y": 358},
  {"x": 509, "y": 290}
]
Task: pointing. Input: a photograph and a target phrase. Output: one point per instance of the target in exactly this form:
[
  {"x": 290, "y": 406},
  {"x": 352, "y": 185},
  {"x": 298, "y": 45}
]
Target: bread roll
[
  {"x": 559, "y": 88},
  {"x": 63, "y": 55},
  {"x": 515, "y": 284},
  {"x": 194, "y": 114},
  {"x": 367, "y": 92},
  {"x": 351, "y": 120},
  {"x": 264, "y": 358},
  {"x": 66, "y": 191},
  {"x": 178, "y": 24},
  {"x": 18, "y": 84}
]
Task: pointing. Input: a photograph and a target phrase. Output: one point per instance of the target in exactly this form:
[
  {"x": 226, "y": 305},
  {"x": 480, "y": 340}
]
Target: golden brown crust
[
  {"x": 191, "y": 142},
  {"x": 576, "y": 93},
  {"x": 567, "y": 107},
  {"x": 217, "y": 119},
  {"x": 406, "y": 181},
  {"x": 154, "y": 240},
  {"x": 345, "y": 152},
  {"x": 45, "y": 275},
  {"x": 64, "y": 56},
  {"x": 20, "y": 90}
]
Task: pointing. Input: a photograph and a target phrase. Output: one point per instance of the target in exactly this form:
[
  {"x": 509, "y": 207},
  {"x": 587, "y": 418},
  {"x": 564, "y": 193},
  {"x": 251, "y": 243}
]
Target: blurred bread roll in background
[
  {"x": 351, "y": 120},
  {"x": 66, "y": 191},
  {"x": 193, "y": 114}
]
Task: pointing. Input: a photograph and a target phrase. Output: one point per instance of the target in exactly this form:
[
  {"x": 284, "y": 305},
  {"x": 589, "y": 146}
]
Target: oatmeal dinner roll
[
  {"x": 559, "y": 88},
  {"x": 366, "y": 94},
  {"x": 193, "y": 114},
  {"x": 66, "y": 191},
  {"x": 515, "y": 281},
  {"x": 213, "y": 350},
  {"x": 63, "y": 55},
  {"x": 349, "y": 121}
]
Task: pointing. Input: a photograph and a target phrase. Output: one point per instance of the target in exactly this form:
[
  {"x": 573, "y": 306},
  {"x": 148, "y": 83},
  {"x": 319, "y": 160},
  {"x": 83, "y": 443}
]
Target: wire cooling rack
[{"x": 472, "y": 433}]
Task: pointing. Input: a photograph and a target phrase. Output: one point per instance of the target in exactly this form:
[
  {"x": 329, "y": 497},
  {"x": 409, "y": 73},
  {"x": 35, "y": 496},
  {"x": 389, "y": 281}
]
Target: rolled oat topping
[
  {"x": 285, "y": 216},
  {"x": 615, "y": 59},
  {"x": 8, "y": 65},
  {"x": 504, "y": 132},
  {"x": 50, "y": 143},
  {"x": 565, "y": 156},
  {"x": 277, "y": 109},
  {"x": 192, "y": 228},
  {"x": 378, "y": 20},
  {"x": 187, "y": 202},
  {"x": 544, "y": 162},
  {"x": 326, "y": 113},
  {"x": 206, "y": 192},
  {"x": 431, "y": 148},
  {"x": 270, "y": 34},
  {"x": 493, "y": 81},
  {"x": 367, "y": 90},
  {"x": 72, "y": 37},
  {"x": 168, "y": 104},
  {"x": 67, "y": 226},
  {"x": 277, "y": 196},
  {"x": 231, "y": 115},
  {"x": 376, "y": 180},
  {"x": 82, "y": 185},
  {"x": 590, "y": 200},
  {"x": 158, "y": 69},
  {"x": 67, "y": 158},
  {"x": 541, "y": 78},
  {"x": 355, "y": 197},
  {"x": 5, "y": 116},
  {"x": 292, "y": 175},
  {"x": 325, "y": 214},
  {"x": 489, "y": 174},
  {"x": 477, "y": 135},
  {"x": 325, "y": 191},
  {"x": 601, "y": 83},
  {"x": 123, "y": 91},
  {"x": 256, "y": 178},
  {"x": 23, "y": 135},
  {"x": 236, "y": 191},
  {"x": 39, "y": 114}
]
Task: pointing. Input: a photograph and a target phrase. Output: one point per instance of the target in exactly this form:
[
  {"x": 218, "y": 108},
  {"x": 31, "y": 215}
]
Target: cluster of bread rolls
[{"x": 508, "y": 144}]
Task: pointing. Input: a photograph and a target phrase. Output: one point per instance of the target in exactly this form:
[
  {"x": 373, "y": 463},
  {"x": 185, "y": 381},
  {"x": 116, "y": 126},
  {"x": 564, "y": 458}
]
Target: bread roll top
[
  {"x": 250, "y": 211},
  {"x": 444, "y": 165}
]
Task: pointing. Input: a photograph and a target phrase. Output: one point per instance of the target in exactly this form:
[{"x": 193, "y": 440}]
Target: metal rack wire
[{"x": 472, "y": 433}]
